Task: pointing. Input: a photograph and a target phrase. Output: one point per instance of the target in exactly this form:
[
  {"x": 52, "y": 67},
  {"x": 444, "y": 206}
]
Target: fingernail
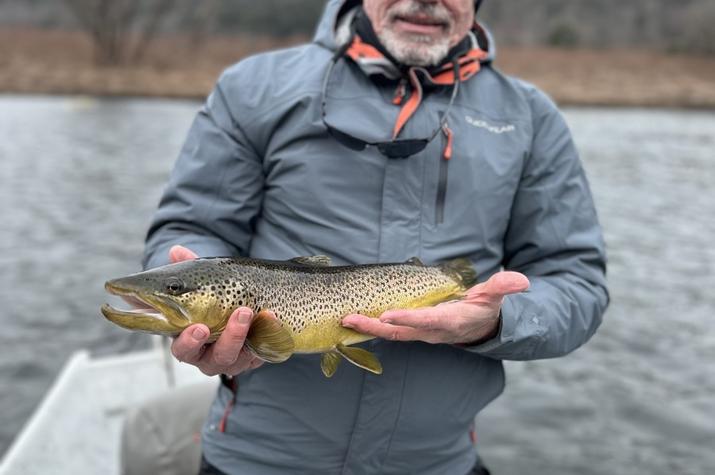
[
  {"x": 244, "y": 316},
  {"x": 199, "y": 334}
]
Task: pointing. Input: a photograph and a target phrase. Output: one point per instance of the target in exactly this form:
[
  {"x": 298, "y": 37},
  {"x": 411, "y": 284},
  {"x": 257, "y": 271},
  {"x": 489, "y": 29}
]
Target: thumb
[
  {"x": 505, "y": 283},
  {"x": 181, "y": 253},
  {"x": 498, "y": 285}
]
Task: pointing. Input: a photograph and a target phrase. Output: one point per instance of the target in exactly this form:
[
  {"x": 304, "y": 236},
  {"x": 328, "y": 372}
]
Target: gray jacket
[{"x": 260, "y": 176}]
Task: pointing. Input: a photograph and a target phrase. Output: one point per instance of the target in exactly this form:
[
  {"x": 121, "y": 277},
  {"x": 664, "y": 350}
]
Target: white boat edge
[{"x": 76, "y": 428}]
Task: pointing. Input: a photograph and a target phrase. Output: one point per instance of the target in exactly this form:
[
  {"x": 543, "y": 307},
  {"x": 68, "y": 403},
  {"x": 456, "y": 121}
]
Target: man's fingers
[
  {"x": 227, "y": 348},
  {"x": 500, "y": 284},
  {"x": 227, "y": 355},
  {"x": 180, "y": 254},
  {"x": 189, "y": 345},
  {"x": 245, "y": 361},
  {"x": 428, "y": 318},
  {"x": 373, "y": 326},
  {"x": 255, "y": 363}
]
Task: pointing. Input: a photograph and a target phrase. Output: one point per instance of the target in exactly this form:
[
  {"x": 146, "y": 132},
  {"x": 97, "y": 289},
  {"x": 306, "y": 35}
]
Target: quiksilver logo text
[{"x": 495, "y": 129}]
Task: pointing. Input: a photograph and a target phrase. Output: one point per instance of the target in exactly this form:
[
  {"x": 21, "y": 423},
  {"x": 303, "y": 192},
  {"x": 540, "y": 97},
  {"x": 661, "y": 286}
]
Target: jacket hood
[{"x": 325, "y": 34}]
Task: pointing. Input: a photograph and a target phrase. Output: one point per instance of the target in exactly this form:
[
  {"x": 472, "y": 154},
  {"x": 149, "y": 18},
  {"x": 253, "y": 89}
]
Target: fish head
[{"x": 170, "y": 298}]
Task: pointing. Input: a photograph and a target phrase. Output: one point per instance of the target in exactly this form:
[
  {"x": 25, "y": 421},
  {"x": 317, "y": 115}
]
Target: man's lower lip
[{"x": 420, "y": 28}]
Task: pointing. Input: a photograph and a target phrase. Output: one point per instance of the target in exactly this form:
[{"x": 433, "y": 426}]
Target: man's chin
[{"x": 417, "y": 51}]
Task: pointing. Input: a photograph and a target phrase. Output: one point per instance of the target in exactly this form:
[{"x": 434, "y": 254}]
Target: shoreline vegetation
[{"x": 40, "y": 61}]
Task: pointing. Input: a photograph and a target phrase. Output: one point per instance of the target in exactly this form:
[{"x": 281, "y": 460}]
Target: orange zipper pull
[{"x": 447, "y": 154}]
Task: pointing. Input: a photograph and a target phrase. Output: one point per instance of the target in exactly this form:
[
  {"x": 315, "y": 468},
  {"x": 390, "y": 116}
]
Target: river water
[{"x": 80, "y": 178}]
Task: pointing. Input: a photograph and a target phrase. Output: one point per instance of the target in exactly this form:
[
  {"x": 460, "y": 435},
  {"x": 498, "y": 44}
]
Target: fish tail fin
[
  {"x": 269, "y": 339},
  {"x": 461, "y": 270}
]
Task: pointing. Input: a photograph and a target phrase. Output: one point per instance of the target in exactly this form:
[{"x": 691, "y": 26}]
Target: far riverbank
[{"x": 60, "y": 62}]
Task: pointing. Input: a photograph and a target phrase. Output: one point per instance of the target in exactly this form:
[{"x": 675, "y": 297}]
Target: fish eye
[{"x": 174, "y": 286}]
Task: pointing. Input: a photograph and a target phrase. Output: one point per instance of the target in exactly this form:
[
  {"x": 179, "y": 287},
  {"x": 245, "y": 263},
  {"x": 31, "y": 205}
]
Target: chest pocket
[{"x": 468, "y": 197}]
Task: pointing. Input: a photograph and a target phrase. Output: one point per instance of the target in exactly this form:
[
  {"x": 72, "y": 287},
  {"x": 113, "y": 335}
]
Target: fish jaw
[
  {"x": 157, "y": 314},
  {"x": 138, "y": 320}
]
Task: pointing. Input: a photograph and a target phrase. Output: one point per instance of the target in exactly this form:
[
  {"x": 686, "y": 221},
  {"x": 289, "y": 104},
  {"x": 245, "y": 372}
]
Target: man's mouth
[{"x": 420, "y": 24}]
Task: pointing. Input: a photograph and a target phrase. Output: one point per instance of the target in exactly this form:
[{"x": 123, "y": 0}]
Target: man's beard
[{"x": 416, "y": 49}]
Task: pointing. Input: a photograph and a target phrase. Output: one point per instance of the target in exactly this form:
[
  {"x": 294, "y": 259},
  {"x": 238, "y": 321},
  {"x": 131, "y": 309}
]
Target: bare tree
[
  {"x": 150, "y": 28},
  {"x": 121, "y": 30}
]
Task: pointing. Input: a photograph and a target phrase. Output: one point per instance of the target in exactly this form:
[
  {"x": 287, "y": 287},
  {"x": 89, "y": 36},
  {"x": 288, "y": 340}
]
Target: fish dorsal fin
[
  {"x": 359, "y": 357},
  {"x": 269, "y": 339},
  {"x": 329, "y": 363},
  {"x": 318, "y": 261},
  {"x": 415, "y": 261}
]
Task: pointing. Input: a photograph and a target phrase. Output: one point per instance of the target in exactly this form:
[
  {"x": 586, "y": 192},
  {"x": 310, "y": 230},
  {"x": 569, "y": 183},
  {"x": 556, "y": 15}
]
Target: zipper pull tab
[
  {"x": 447, "y": 154},
  {"x": 400, "y": 92}
]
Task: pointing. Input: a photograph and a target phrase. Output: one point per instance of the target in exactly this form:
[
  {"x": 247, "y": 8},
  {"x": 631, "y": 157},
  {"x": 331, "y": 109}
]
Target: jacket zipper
[{"x": 443, "y": 173}]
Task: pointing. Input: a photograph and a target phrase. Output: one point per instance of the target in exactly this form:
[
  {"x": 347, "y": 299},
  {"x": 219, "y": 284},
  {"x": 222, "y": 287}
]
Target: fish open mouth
[{"x": 148, "y": 312}]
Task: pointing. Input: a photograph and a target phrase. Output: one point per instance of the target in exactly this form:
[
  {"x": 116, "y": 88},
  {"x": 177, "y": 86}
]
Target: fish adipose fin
[
  {"x": 461, "y": 270},
  {"x": 415, "y": 261},
  {"x": 268, "y": 339},
  {"x": 329, "y": 363},
  {"x": 318, "y": 261},
  {"x": 361, "y": 358}
]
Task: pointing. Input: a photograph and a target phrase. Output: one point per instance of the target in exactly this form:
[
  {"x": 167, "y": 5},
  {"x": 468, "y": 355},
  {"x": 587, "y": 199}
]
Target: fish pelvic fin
[
  {"x": 329, "y": 363},
  {"x": 359, "y": 357},
  {"x": 461, "y": 270},
  {"x": 269, "y": 339}
]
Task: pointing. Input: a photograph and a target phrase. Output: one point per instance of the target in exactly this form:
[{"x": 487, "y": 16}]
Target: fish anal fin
[
  {"x": 268, "y": 339},
  {"x": 329, "y": 363},
  {"x": 359, "y": 357},
  {"x": 318, "y": 261}
]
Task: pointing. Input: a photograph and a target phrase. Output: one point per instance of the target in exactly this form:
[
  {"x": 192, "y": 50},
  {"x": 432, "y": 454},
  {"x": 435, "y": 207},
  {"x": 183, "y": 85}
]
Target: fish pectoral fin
[
  {"x": 319, "y": 261},
  {"x": 329, "y": 363},
  {"x": 359, "y": 357},
  {"x": 269, "y": 339}
]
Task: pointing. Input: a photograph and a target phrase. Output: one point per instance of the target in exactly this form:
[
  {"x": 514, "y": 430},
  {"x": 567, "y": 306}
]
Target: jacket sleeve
[
  {"x": 554, "y": 238},
  {"x": 214, "y": 192}
]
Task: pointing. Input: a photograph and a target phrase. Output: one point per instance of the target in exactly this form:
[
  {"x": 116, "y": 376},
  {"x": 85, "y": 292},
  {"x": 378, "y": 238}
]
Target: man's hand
[
  {"x": 227, "y": 355},
  {"x": 471, "y": 320}
]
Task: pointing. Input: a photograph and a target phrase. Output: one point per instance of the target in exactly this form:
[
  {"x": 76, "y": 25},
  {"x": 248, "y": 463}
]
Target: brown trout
[{"x": 308, "y": 296}]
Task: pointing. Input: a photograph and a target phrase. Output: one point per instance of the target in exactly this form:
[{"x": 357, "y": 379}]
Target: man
[{"x": 390, "y": 136}]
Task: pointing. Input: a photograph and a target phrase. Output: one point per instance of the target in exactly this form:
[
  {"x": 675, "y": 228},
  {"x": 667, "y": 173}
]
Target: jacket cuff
[{"x": 507, "y": 325}]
